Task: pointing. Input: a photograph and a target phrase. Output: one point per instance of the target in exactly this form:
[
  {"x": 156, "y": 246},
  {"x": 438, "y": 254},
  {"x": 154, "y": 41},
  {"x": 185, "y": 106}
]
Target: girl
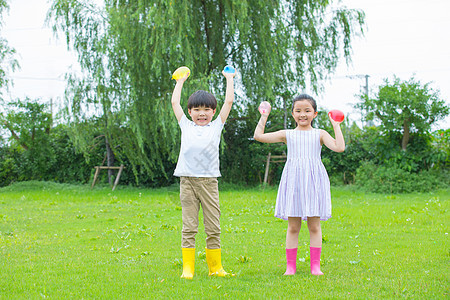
[{"x": 304, "y": 191}]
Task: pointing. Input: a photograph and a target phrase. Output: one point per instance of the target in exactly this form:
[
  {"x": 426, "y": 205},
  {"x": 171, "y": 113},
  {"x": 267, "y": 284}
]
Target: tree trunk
[
  {"x": 405, "y": 138},
  {"x": 109, "y": 160},
  {"x": 14, "y": 135}
]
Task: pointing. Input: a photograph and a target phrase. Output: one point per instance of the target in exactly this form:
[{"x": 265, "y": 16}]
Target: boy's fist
[{"x": 181, "y": 72}]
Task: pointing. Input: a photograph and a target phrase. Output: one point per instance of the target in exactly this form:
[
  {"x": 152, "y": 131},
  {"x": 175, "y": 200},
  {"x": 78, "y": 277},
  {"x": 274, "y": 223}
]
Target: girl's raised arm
[
  {"x": 272, "y": 137},
  {"x": 338, "y": 144}
]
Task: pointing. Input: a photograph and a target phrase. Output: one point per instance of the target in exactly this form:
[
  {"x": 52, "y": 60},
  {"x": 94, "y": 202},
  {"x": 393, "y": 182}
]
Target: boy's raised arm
[
  {"x": 176, "y": 98},
  {"x": 229, "y": 96}
]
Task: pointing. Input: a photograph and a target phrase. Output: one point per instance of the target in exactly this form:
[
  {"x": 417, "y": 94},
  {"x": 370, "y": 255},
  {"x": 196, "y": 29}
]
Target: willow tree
[
  {"x": 7, "y": 64},
  {"x": 128, "y": 50},
  {"x": 7, "y": 61}
]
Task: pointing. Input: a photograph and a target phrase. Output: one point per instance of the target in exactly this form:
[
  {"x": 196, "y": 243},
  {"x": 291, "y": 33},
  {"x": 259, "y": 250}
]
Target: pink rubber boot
[
  {"x": 291, "y": 260},
  {"x": 315, "y": 260}
]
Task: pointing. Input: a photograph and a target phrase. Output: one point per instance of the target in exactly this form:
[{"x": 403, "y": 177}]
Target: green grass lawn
[{"x": 65, "y": 241}]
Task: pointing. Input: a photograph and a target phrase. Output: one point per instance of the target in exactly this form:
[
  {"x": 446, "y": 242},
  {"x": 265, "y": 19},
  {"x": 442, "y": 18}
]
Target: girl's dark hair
[
  {"x": 202, "y": 98},
  {"x": 307, "y": 98}
]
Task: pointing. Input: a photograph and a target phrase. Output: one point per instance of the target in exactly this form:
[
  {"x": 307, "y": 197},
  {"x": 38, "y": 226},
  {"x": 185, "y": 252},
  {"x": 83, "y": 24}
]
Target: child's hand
[
  {"x": 229, "y": 75},
  {"x": 333, "y": 122},
  {"x": 264, "y": 108},
  {"x": 183, "y": 79}
]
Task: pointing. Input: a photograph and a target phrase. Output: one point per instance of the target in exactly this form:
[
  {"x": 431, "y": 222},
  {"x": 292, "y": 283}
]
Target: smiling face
[
  {"x": 303, "y": 113},
  {"x": 201, "y": 115},
  {"x": 202, "y": 107}
]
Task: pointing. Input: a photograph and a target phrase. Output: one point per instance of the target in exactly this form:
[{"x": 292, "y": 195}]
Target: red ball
[{"x": 337, "y": 115}]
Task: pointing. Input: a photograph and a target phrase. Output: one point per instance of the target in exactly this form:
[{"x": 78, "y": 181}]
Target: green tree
[
  {"x": 128, "y": 50},
  {"x": 29, "y": 124},
  {"x": 404, "y": 107}
]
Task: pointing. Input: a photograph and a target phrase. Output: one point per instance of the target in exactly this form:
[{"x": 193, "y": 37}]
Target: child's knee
[
  {"x": 294, "y": 228},
  {"x": 314, "y": 227}
]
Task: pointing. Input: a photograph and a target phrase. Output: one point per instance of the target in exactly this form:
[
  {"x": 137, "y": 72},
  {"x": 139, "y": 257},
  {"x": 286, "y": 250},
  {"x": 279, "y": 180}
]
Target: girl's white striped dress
[{"x": 304, "y": 187}]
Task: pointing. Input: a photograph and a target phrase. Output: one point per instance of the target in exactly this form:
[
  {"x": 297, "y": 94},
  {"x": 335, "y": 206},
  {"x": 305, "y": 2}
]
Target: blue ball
[{"x": 229, "y": 69}]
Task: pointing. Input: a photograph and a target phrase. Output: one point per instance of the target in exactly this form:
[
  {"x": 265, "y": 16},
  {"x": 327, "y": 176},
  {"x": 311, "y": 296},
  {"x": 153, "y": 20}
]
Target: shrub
[
  {"x": 391, "y": 179},
  {"x": 8, "y": 170}
]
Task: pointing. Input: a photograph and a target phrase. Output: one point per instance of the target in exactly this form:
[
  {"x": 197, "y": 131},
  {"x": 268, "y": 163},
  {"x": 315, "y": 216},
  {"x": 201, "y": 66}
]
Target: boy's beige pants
[{"x": 196, "y": 191}]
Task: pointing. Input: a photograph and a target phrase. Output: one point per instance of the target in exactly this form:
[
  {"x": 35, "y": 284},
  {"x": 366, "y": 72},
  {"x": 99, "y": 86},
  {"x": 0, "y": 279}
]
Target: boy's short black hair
[{"x": 202, "y": 98}]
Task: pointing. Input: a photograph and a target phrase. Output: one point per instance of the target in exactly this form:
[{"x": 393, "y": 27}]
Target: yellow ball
[{"x": 181, "y": 72}]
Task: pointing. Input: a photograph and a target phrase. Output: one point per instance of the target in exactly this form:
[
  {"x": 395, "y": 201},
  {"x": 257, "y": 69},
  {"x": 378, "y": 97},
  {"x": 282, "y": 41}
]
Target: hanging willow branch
[{"x": 128, "y": 50}]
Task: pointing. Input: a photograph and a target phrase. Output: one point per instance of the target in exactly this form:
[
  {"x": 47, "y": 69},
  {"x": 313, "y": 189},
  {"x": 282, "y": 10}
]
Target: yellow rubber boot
[
  {"x": 214, "y": 261},
  {"x": 188, "y": 262}
]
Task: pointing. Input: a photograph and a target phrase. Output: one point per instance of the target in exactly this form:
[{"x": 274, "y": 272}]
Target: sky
[{"x": 404, "y": 38}]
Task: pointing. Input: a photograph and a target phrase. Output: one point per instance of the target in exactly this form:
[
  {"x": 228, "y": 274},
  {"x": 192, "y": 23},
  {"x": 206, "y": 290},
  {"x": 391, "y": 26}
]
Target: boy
[{"x": 198, "y": 169}]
